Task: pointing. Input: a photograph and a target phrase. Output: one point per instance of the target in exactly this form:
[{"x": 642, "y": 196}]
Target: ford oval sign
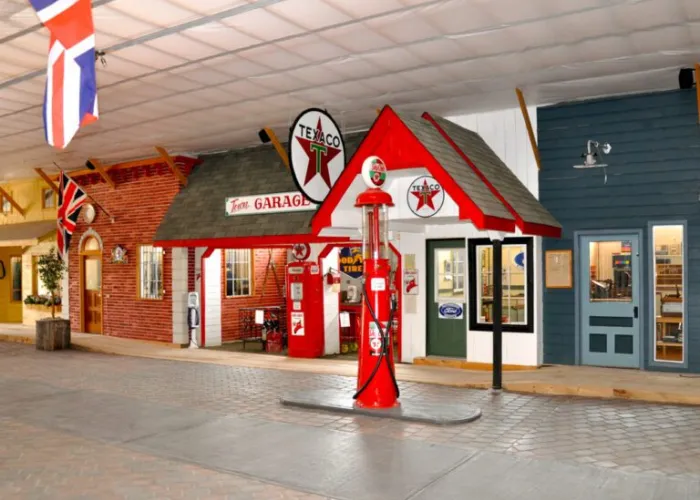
[{"x": 451, "y": 311}]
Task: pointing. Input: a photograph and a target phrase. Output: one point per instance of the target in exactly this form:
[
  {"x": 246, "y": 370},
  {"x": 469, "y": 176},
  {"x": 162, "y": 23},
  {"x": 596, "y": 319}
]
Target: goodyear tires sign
[{"x": 351, "y": 261}]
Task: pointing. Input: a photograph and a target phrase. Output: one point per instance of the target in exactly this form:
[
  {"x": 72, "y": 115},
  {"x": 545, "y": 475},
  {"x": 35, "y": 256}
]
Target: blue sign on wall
[{"x": 351, "y": 261}]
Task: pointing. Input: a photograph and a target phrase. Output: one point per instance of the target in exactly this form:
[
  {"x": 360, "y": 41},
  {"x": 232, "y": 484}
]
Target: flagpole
[{"x": 99, "y": 205}]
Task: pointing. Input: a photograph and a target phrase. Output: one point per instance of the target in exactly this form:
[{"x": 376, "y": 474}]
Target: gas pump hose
[{"x": 385, "y": 342}]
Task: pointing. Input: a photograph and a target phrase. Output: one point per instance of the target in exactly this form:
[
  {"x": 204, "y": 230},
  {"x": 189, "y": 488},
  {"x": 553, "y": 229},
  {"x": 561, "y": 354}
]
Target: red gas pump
[
  {"x": 305, "y": 330},
  {"x": 376, "y": 381}
]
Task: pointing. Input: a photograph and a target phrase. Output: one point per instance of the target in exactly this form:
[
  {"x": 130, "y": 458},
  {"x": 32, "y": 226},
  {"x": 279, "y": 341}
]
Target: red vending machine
[{"x": 305, "y": 329}]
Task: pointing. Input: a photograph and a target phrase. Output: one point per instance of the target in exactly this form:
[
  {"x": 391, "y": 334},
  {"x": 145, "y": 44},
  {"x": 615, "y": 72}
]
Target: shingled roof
[
  {"x": 517, "y": 198},
  {"x": 198, "y": 211}
]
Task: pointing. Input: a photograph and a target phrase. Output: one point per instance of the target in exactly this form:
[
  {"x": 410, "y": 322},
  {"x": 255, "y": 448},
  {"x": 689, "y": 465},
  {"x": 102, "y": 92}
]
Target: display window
[
  {"x": 669, "y": 296},
  {"x": 517, "y": 280}
]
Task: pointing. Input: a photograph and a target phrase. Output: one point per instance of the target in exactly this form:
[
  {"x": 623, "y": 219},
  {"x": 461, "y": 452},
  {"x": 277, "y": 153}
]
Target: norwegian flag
[
  {"x": 71, "y": 85},
  {"x": 70, "y": 199}
]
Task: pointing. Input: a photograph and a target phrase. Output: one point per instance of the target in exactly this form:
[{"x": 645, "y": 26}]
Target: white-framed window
[
  {"x": 150, "y": 272},
  {"x": 449, "y": 263},
  {"x": 669, "y": 293},
  {"x": 48, "y": 198},
  {"x": 516, "y": 279},
  {"x": 239, "y": 275}
]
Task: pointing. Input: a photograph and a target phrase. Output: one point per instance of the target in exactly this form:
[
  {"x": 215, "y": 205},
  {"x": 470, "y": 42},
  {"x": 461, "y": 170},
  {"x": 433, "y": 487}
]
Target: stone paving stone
[{"x": 652, "y": 438}]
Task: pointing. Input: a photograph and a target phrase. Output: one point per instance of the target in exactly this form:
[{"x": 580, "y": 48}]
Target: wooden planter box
[{"x": 52, "y": 334}]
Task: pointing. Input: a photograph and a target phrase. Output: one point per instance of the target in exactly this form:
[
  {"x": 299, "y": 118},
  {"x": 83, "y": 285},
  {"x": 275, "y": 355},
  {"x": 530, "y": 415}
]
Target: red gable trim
[
  {"x": 250, "y": 241},
  {"x": 525, "y": 227},
  {"x": 390, "y": 139}
]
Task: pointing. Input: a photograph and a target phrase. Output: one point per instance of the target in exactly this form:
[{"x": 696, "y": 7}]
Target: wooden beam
[
  {"x": 176, "y": 171},
  {"x": 101, "y": 170},
  {"x": 697, "y": 87},
  {"x": 278, "y": 146},
  {"x": 47, "y": 179},
  {"x": 4, "y": 194},
  {"x": 528, "y": 124}
]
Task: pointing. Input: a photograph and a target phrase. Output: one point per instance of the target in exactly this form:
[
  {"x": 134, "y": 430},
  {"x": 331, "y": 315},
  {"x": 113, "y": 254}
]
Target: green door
[{"x": 446, "y": 311}]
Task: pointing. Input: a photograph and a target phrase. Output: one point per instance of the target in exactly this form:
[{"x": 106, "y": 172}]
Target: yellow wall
[{"x": 28, "y": 194}]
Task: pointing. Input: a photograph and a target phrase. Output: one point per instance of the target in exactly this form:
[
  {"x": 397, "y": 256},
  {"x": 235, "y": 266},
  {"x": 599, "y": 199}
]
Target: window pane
[
  {"x": 449, "y": 264},
  {"x": 514, "y": 283},
  {"x": 92, "y": 274},
  {"x": 610, "y": 271},
  {"x": 668, "y": 292},
  {"x": 48, "y": 196},
  {"x": 6, "y": 207},
  {"x": 238, "y": 272},
  {"x": 91, "y": 244},
  {"x": 16, "y": 273},
  {"x": 151, "y": 272}
]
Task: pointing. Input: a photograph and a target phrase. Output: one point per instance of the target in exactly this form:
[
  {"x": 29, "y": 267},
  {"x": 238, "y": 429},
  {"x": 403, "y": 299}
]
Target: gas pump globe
[{"x": 376, "y": 381}]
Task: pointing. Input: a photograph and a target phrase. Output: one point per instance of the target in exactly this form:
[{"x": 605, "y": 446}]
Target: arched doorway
[{"x": 91, "y": 285}]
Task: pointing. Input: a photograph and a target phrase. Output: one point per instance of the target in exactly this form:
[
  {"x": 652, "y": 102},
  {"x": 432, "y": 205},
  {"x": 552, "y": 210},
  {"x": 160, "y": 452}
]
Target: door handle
[{"x": 636, "y": 312}]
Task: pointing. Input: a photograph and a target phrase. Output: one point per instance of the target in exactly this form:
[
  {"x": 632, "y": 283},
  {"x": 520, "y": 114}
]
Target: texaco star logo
[
  {"x": 425, "y": 196},
  {"x": 320, "y": 155},
  {"x": 301, "y": 251},
  {"x": 316, "y": 154}
]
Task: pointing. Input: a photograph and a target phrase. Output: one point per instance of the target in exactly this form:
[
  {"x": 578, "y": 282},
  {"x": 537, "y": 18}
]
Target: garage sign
[
  {"x": 316, "y": 153},
  {"x": 268, "y": 203}
]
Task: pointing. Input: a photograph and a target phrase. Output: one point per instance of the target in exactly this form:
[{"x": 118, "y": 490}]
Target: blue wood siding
[{"x": 654, "y": 175}]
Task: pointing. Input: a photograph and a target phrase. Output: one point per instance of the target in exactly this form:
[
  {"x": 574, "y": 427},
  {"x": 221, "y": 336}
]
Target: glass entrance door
[{"x": 610, "y": 299}]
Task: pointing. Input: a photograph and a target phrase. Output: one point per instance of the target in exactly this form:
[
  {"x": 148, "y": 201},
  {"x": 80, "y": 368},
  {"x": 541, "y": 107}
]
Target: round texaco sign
[{"x": 316, "y": 153}]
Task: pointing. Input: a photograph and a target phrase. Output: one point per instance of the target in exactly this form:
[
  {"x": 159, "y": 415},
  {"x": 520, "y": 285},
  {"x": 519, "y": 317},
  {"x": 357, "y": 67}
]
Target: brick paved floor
[{"x": 40, "y": 462}]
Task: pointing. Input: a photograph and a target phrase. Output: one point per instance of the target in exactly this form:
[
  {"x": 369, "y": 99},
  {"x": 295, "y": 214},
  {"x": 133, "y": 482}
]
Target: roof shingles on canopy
[
  {"x": 198, "y": 211},
  {"x": 450, "y": 160},
  {"x": 521, "y": 203}
]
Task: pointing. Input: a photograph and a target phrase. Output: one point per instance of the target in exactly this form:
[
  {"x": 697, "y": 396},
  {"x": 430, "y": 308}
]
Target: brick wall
[
  {"x": 271, "y": 296},
  {"x": 138, "y": 204}
]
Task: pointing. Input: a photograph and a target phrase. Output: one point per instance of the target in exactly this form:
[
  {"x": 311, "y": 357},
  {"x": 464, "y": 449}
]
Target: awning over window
[{"x": 26, "y": 233}]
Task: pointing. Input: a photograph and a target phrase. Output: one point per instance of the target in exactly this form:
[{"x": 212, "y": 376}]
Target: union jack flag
[
  {"x": 70, "y": 199},
  {"x": 70, "y": 101}
]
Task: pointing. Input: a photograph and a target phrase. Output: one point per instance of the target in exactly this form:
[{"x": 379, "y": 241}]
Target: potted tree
[{"x": 52, "y": 333}]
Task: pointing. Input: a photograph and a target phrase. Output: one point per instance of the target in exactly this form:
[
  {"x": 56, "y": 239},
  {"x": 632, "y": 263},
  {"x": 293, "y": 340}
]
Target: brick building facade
[{"x": 138, "y": 203}]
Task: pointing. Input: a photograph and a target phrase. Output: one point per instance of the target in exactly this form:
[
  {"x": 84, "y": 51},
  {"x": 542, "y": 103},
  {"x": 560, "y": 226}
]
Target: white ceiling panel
[
  {"x": 310, "y": 14},
  {"x": 274, "y": 57},
  {"x": 404, "y": 27},
  {"x": 161, "y": 13},
  {"x": 150, "y": 57},
  {"x": 314, "y": 48},
  {"x": 219, "y": 35},
  {"x": 208, "y": 7},
  {"x": 237, "y": 66},
  {"x": 243, "y": 89},
  {"x": 357, "y": 38},
  {"x": 205, "y": 75},
  {"x": 116, "y": 23},
  {"x": 183, "y": 47},
  {"x": 263, "y": 25},
  {"x": 212, "y": 82}
]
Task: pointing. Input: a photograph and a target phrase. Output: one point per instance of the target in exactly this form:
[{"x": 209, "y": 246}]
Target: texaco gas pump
[{"x": 376, "y": 381}]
